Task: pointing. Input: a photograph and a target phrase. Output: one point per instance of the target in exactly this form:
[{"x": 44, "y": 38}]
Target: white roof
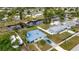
[{"x": 56, "y": 29}]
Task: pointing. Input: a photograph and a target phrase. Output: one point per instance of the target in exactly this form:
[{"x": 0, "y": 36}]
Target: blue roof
[{"x": 35, "y": 34}]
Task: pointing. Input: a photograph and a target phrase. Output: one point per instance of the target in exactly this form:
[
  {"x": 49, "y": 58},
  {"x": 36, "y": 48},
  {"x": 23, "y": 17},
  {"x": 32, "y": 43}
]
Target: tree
[
  {"x": 29, "y": 12},
  {"x": 60, "y": 13},
  {"x": 20, "y": 10},
  {"x": 48, "y": 13}
]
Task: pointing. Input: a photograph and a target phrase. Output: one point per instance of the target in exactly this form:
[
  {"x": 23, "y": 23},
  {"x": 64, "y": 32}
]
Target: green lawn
[
  {"x": 68, "y": 45},
  {"x": 43, "y": 45},
  {"x": 32, "y": 48},
  {"x": 54, "y": 49},
  {"x": 44, "y": 26},
  {"x": 59, "y": 37},
  {"x": 5, "y": 43}
]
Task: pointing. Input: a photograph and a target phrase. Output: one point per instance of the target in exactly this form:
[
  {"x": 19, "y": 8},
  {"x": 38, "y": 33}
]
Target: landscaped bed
[
  {"x": 68, "y": 45},
  {"x": 43, "y": 45},
  {"x": 75, "y": 29},
  {"x": 59, "y": 37}
]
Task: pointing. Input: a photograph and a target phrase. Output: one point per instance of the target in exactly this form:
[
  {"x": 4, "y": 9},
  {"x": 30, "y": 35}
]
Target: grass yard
[
  {"x": 59, "y": 37},
  {"x": 32, "y": 48},
  {"x": 44, "y": 26},
  {"x": 40, "y": 17},
  {"x": 12, "y": 22},
  {"x": 68, "y": 45},
  {"x": 43, "y": 45},
  {"x": 54, "y": 49}
]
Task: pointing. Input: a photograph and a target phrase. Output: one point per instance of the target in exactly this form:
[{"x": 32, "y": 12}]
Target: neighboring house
[
  {"x": 62, "y": 26},
  {"x": 37, "y": 15},
  {"x": 30, "y": 23},
  {"x": 37, "y": 22},
  {"x": 55, "y": 18},
  {"x": 69, "y": 24},
  {"x": 4, "y": 19},
  {"x": 76, "y": 21},
  {"x": 27, "y": 16},
  {"x": 55, "y": 23},
  {"x": 34, "y": 36},
  {"x": 14, "y": 27},
  {"x": 33, "y": 23},
  {"x": 16, "y": 17},
  {"x": 56, "y": 29}
]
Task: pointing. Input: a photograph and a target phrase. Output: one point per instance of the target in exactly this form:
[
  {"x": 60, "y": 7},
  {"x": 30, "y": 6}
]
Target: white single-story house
[{"x": 5, "y": 19}]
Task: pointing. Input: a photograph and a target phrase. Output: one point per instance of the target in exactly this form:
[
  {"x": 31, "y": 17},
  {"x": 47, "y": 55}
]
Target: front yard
[
  {"x": 43, "y": 45},
  {"x": 59, "y": 37},
  {"x": 44, "y": 26},
  {"x": 31, "y": 47},
  {"x": 68, "y": 45}
]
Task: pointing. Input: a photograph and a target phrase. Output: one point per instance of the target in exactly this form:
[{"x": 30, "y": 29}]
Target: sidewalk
[
  {"x": 37, "y": 47},
  {"x": 72, "y": 32},
  {"x": 63, "y": 31},
  {"x": 44, "y": 30}
]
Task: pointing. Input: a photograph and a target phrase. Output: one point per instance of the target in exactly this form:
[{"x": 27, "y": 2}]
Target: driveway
[{"x": 53, "y": 44}]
